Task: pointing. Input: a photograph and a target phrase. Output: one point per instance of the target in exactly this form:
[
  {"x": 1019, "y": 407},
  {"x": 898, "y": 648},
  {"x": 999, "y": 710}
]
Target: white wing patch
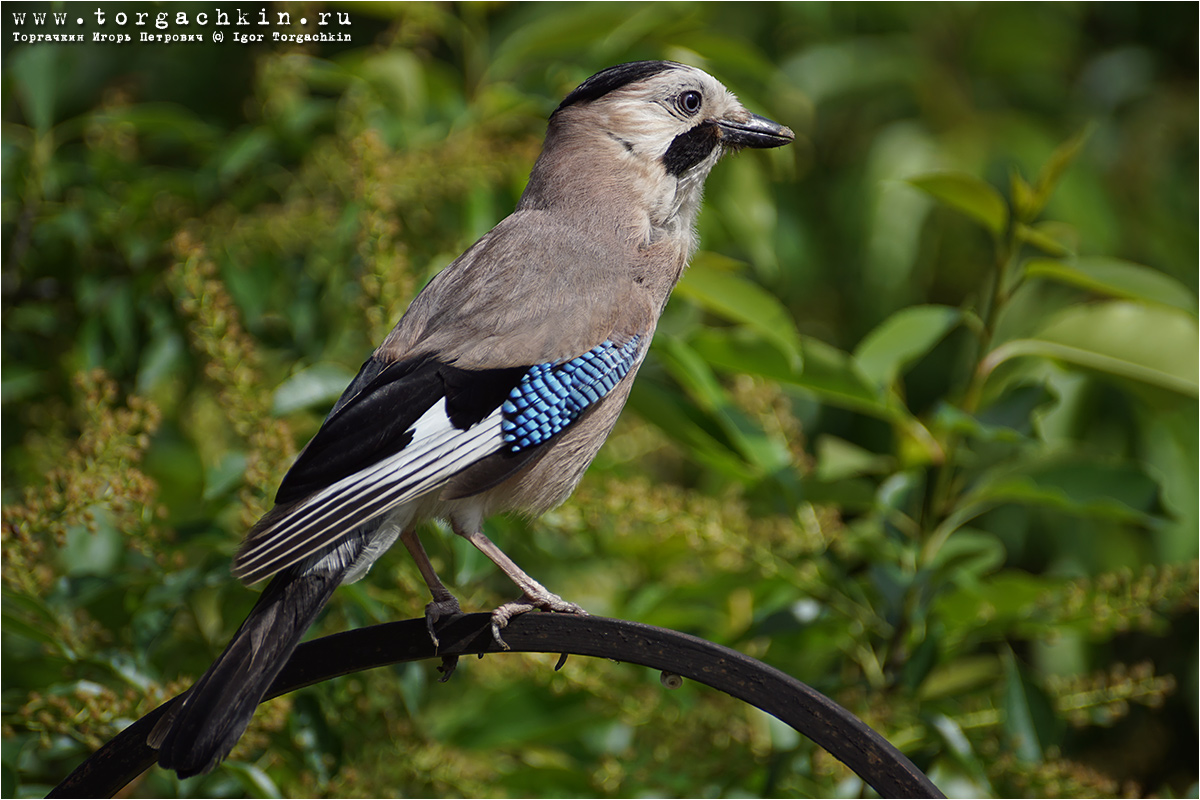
[{"x": 437, "y": 452}]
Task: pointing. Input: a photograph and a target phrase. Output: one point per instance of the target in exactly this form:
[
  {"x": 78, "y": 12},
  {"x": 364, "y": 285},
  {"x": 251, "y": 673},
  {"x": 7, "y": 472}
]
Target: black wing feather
[
  {"x": 374, "y": 416},
  {"x": 369, "y": 422}
]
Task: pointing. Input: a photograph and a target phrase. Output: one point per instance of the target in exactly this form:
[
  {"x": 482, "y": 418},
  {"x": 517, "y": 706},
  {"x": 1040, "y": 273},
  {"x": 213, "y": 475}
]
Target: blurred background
[{"x": 919, "y": 426}]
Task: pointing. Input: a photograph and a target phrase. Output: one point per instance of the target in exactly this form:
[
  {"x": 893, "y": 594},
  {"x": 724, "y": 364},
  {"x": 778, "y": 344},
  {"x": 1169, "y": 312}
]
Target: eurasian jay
[{"x": 498, "y": 385}]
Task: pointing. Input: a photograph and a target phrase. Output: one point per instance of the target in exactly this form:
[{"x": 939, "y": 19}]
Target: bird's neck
[{"x": 597, "y": 184}]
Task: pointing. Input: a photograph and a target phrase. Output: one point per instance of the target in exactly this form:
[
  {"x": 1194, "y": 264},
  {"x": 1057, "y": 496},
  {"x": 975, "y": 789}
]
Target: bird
[{"x": 497, "y": 386}]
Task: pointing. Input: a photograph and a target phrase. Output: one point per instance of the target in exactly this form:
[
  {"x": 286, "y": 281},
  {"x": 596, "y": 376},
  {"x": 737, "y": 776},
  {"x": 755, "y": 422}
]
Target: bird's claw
[
  {"x": 547, "y": 601},
  {"x": 447, "y": 667},
  {"x": 437, "y": 611}
]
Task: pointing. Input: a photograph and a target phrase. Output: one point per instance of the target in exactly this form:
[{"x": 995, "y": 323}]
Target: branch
[{"x": 832, "y": 727}]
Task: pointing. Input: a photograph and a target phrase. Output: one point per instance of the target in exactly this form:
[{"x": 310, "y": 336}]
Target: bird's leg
[
  {"x": 533, "y": 594},
  {"x": 444, "y": 605}
]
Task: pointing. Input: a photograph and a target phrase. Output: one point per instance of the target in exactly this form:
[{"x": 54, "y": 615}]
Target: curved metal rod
[{"x": 811, "y": 713}]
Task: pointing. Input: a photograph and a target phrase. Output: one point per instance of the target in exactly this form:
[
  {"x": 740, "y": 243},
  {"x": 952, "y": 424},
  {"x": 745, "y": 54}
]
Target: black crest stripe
[{"x": 614, "y": 78}]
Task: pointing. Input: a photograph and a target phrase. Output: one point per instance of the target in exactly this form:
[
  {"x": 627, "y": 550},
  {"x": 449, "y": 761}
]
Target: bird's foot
[
  {"x": 444, "y": 609},
  {"x": 447, "y": 667},
  {"x": 541, "y": 599}
]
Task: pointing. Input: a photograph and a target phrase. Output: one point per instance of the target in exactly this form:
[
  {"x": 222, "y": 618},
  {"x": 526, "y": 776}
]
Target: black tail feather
[{"x": 208, "y": 720}]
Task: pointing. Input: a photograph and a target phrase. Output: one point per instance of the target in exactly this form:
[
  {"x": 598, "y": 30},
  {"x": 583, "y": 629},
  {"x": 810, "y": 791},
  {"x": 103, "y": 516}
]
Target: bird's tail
[{"x": 204, "y": 725}]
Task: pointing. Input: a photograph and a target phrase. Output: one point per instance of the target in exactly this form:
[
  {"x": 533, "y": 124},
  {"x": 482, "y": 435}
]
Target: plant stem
[{"x": 942, "y": 495}]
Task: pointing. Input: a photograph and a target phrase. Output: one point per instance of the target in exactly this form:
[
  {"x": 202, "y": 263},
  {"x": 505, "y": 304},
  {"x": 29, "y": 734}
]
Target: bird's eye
[{"x": 689, "y": 102}]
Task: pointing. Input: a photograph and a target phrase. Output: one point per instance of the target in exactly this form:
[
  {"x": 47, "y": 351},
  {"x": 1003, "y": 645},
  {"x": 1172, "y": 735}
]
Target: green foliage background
[{"x": 919, "y": 426}]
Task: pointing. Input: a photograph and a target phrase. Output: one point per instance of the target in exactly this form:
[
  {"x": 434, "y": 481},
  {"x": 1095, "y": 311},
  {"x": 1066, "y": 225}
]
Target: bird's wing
[
  {"x": 404, "y": 429},
  {"x": 535, "y": 289}
]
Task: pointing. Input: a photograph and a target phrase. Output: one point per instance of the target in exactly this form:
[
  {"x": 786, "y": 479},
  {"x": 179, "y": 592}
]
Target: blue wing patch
[{"x": 552, "y": 396}]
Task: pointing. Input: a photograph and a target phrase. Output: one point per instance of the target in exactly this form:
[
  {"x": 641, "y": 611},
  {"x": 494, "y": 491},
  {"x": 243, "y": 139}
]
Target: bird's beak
[{"x": 754, "y": 132}]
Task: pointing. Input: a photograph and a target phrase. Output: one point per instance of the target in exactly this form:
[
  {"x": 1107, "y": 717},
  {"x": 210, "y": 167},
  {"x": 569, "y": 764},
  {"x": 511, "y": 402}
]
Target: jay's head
[{"x": 653, "y": 128}]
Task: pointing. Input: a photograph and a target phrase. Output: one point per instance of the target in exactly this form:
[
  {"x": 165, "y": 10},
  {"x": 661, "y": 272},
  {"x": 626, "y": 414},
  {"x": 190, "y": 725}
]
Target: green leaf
[
  {"x": 1059, "y": 239},
  {"x": 19, "y": 381},
  {"x": 225, "y": 474},
  {"x": 38, "y": 80},
  {"x": 848, "y": 494},
  {"x": 838, "y": 459},
  {"x": 160, "y": 358},
  {"x": 253, "y": 779},
  {"x": 691, "y": 370},
  {"x": 1154, "y": 345},
  {"x": 38, "y": 622},
  {"x": 968, "y": 194},
  {"x": 18, "y": 627},
  {"x": 963, "y": 674},
  {"x": 1054, "y": 168},
  {"x": 830, "y": 374},
  {"x": 1076, "y": 486},
  {"x": 1029, "y": 718},
  {"x": 742, "y": 352},
  {"x": 320, "y": 384},
  {"x": 901, "y": 339},
  {"x": 827, "y": 372},
  {"x": 323, "y": 750},
  {"x": 1013, "y": 411},
  {"x": 1023, "y": 196},
  {"x": 1116, "y": 278},
  {"x": 163, "y": 122},
  {"x": 959, "y": 748},
  {"x": 685, "y": 423},
  {"x": 1042, "y": 237},
  {"x": 922, "y": 659},
  {"x": 969, "y": 555},
  {"x": 711, "y": 282},
  {"x": 1008, "y": 418},
  {"x": 980, "y": 608},
  {"x": 953, "y": 419},
  {"x": 243, "y": 150}
]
